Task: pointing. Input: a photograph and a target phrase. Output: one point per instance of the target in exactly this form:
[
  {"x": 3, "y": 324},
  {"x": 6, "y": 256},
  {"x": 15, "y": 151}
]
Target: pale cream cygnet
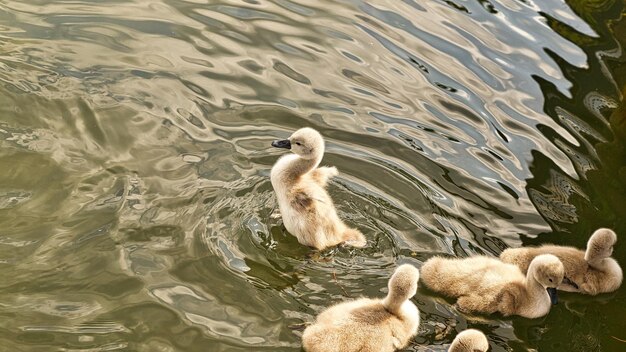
[
  {"x": 369, "y": 325},
  {"x": 487, "y": 285},
  {"x": 470, "y": 340},
  {"x": 307, "y": 210},
  {"x": 590, "y": 272}
]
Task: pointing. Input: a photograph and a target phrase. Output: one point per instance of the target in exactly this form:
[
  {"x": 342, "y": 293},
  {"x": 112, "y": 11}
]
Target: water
[{"x": 135, "y": 202}]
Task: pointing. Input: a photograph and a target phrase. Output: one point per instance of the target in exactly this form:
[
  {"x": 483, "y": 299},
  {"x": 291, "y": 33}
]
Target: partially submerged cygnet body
[
  {"x": 470, "y": 340},
  {"x": 487, "y": 285},
  {"x": 590, "y": 272},
  {"x": 369, "y": 325},
  {"x": 307, "y": 210}
]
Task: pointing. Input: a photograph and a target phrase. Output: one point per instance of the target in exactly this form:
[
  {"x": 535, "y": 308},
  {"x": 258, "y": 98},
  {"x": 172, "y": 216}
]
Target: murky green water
[{"x": 135, "y": 198}]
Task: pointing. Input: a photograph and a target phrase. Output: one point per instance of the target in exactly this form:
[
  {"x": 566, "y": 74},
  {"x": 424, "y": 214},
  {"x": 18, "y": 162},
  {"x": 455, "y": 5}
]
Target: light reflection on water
[{"x": 136, "y": 207}]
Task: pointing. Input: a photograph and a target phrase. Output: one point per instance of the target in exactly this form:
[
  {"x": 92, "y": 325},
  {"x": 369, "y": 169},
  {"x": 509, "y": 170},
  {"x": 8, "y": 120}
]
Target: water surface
[{"x": 135, "y": 202}]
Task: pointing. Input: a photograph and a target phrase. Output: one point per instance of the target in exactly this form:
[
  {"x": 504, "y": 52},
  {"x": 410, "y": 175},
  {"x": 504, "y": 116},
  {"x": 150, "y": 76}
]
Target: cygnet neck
[
  {"x": 531, "y": 281},
  {"x": 394, "y": 301},
  {"x": 300, "y": 166},
  {"x": 599, "y": 263},
  {"x": 594, "y": 259}
]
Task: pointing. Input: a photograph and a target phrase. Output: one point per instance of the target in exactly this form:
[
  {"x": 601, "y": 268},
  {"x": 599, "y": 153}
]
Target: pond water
[{"x": 135, "y": 201}]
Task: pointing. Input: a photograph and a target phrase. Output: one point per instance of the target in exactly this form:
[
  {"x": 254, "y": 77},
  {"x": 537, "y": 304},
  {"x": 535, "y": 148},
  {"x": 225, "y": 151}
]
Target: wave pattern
[{"x": 137, "y": 212}]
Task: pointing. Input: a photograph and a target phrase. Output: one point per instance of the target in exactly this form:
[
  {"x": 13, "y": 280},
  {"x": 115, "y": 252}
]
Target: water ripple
[{"x": 137, "y": 212}]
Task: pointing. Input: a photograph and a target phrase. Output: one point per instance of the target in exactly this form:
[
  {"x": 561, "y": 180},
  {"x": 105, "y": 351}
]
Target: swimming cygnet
[
  {"x": 590, "y": 272},
  {"x": 470, "y": 340},
  {"x": 369, "y": 325},
  {"x": 487, "y": 285},
  {"x": 308, "y": 211}
]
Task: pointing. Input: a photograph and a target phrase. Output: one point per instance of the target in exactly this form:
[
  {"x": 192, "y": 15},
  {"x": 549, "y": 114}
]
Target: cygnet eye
[
  {"x": 298, "y": 143},
  {"x": 550, "y": 280}
]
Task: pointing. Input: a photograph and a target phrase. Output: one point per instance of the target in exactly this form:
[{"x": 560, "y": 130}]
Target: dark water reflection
[{"x": 135, "y": 204}]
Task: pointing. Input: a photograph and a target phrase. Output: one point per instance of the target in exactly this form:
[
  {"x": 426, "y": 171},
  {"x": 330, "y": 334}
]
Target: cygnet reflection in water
[
  {"x": 487, "y": 285},
  {"x": 369, "y": 325},
  {"x": 307, "y": 210},
  {"x": 590, "y": 272}
]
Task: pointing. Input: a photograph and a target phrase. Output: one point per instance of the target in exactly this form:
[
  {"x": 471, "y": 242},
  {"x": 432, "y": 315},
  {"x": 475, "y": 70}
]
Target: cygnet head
[
  {"x": 600, "y": 245},
  {"x": 402, "y": 286},
  {"x": 305, "y": 142},
  {"x": 548, "y": 270},
  {"x": 470, "y": 340}
]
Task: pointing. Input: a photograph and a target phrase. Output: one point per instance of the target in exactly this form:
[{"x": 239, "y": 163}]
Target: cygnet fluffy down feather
[
  {"x": 486, "y": 285},
  {"x": 369, "y": 325},
  {"x": 307, "y": 210},
  {"x": 590, "y": 272},
  {"x": 469, "y": 340}
]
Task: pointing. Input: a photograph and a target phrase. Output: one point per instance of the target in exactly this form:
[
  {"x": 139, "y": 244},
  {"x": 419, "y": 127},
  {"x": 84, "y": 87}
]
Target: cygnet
[
  {"x": 307, "y": 210},
  {"x": 369, "y": 325},
  {"x": 590, "y": 272},
  {"x": 470, "y": 340},
  {"x": 487, "y": 285}
]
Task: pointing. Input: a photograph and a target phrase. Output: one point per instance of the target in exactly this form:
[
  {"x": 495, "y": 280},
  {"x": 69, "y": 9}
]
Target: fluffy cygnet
[
  {"x": 590, "y": 272},
  {"x": 307, "y": 210},
  {"x": 487, "y": 285},
  {"x": 469, "y": 340},
  {"x": 369, "y": 325}
]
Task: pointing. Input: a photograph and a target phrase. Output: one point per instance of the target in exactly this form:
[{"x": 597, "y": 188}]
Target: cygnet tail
[
  {"x": 518, "y": 256},
  {"x": 354, "y": 238},
  {"x": 431, "y": 272},
  {"x": 508, "y": 255}
]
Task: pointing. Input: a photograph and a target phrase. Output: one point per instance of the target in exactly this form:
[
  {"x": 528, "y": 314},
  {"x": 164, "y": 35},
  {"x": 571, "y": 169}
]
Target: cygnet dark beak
[
  {"x": 285, "y": 143},
  {"x": 552, "y": 293}
]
